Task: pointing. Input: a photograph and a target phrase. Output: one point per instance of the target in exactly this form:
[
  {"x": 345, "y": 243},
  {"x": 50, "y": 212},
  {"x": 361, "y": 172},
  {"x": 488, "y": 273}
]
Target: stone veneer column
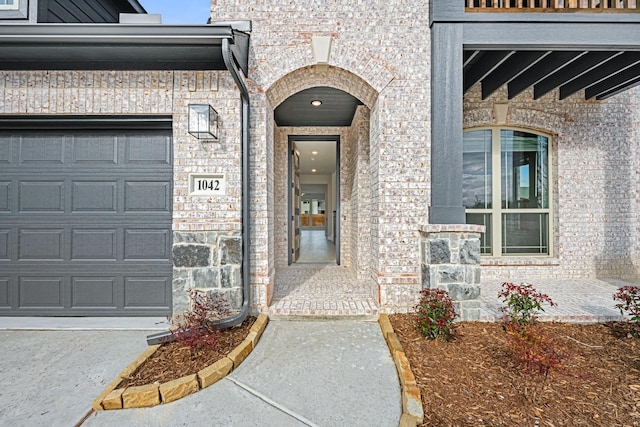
[
  {"x": 206, "y": 261},
  {"x": 451, "y": 261}
]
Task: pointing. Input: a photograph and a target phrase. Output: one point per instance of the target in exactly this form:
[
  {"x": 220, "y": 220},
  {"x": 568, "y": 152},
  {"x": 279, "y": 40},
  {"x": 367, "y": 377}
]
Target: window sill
[{"x": 519, "y": 261}]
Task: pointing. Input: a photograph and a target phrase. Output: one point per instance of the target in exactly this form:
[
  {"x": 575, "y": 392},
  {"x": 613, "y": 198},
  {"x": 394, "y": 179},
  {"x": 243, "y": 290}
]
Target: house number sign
[{"x": 207, "y": 185}]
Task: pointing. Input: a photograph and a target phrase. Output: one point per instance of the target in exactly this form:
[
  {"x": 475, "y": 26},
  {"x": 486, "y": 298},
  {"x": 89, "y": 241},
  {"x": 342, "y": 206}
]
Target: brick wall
[
  {"x": 596, "y": 185},
  {"x": 390, "y": 76}
]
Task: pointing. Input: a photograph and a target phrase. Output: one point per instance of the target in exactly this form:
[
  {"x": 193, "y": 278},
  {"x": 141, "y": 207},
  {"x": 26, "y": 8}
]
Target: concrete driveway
[{"x": 50, "y": 378}]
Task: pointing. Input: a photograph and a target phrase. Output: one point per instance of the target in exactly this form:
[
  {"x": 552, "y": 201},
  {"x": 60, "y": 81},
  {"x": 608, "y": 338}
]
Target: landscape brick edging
[
  {"x": 156, "y": 394},
  {"x": 412, "y": 413}
]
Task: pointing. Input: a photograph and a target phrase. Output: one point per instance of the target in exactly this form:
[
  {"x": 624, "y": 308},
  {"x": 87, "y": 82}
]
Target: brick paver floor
[
  {"x": 332, "y": 290},
  {"x": 321, "y": 290},
  {"x": 578, "y": 300}
]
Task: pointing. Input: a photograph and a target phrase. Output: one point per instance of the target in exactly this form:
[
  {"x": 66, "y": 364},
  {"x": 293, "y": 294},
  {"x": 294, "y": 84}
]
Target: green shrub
[{"x": 435, "y": 314}]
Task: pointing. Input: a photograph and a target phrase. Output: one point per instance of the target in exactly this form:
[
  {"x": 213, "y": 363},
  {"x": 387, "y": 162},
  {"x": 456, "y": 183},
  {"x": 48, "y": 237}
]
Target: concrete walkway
[{"x": 330, "y": 373}]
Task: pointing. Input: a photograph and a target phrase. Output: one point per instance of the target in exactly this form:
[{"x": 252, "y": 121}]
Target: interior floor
[
  {"x": 321, "y": 290},
  {"x": 315, "y": 247}
]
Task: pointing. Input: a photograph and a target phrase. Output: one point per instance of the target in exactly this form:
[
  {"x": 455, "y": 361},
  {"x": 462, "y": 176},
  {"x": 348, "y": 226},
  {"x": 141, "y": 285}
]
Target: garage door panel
[
  {"x": 93, "y": 292},
  {"x": 5, "y": 191},
  {"x": 41, "y": 149},
  {"x": 4, "y": 292},
  {"x": 85, "y": 222},
  {"x": 5, "y": 234},
  {"x": 147, "y": 196},
  {"x": 99, "y": 244},
  {"x": 146, "y": 292},
  {"x": 141, "y": 244},
  {"x": 90, "y": 150},
  {"x": 5, "y": 150},
  {"x": 41, "y": 292},
  {"x": 141, "y": 151},
  {"x": 41, "y": 244},
  {"x": 41, "y": 196},
  {"x": 94, "y": 196}
]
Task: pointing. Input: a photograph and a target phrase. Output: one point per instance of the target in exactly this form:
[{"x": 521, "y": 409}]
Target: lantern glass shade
[{"x": 203, "y": 122}]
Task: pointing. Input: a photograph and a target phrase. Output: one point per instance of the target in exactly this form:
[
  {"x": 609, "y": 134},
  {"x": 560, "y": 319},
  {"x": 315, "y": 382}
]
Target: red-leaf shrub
[
  {"x": 435, "y": 314},
  {"x": 629, "y": 297},
  {"x": 194, "y": 328},
  {"x": 536, "y": 350},
  {"x": 523, "y": 302}
]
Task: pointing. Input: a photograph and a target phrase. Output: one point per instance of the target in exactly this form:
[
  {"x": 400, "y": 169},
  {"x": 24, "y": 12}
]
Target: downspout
[
  {"x": 244, "y": 123},
  {"x": 232, "y": 321}
]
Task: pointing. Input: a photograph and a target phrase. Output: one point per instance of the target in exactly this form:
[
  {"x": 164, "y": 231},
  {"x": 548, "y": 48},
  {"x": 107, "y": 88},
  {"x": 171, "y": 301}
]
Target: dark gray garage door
[{"x": 85, "y": 222}]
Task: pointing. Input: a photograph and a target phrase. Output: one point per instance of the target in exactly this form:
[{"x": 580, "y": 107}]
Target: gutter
[{"x": 230, "y": 322}]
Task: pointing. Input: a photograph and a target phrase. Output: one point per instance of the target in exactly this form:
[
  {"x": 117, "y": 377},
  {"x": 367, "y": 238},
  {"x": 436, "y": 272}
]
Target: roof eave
[{"x": 120, "y": 46}]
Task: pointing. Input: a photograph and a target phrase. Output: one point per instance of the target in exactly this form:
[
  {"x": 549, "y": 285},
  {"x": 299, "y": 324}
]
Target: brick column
[{"x": 450, "y": 256}]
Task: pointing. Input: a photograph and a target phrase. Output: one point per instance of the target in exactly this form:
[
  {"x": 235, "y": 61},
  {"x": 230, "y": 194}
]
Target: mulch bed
[
  {"x": 174, "y": 360},
  {"x": 473, "y": 380}
]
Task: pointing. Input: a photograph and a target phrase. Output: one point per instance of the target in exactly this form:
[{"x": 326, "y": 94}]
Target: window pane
[
  {"x": 525, "y": 233},
  {"x": 485, "y": 238},
  {"x": 525, "y": 170},
  {"x": 476, "y": 170}
]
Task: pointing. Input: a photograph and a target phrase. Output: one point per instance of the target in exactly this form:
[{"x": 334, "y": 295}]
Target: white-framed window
[
  {"x": 15, "y": 10},
  {"x": 507, "y": 188},
  {"x": 9, "y": 4}
]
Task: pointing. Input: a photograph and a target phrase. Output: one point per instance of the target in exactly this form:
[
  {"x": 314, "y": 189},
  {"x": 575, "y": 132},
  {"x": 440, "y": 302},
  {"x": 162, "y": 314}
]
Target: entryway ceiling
[
  {"x": 337, "y": 108},
  {"x": 323, "y": 161},
  {"x": 601, "y": 74}
]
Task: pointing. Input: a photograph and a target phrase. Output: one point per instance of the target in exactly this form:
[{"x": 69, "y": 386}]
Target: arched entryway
[{"x": 328, "y": 107}]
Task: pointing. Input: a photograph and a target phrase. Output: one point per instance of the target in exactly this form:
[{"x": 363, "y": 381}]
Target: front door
[{"x": 294, "y": 202}]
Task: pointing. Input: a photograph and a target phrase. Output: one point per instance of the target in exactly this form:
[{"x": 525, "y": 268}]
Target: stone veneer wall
[
  {"x": 207, "y": 261},
  {"x": 196, "y": 219},
  {"x": 396, "y": 90},
  {"x": 451, "y": 262},
  {"x": 596, "y": 183}
]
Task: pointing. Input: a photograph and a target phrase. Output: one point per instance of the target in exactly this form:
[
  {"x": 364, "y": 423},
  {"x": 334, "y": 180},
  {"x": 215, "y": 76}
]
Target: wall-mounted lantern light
[{"x": 203, "y": 122}]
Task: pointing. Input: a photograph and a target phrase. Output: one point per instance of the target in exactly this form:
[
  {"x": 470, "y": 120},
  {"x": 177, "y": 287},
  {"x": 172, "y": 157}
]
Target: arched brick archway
[{"x": 314, "y": 76}]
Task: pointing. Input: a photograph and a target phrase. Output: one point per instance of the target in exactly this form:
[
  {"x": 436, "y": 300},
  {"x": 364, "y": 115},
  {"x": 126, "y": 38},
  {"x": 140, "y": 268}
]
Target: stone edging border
[
  {"x": 412, "y": 413},
  {"x": 156, "y": 394}
]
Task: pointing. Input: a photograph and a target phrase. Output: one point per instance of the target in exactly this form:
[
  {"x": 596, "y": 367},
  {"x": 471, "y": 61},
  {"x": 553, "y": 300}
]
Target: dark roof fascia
[
  {"x": 575, "y": 36},
  {"x": 119, "y": 34},
  {"x": 132, "y": 46},
  {"x": 135, "y": 4}
]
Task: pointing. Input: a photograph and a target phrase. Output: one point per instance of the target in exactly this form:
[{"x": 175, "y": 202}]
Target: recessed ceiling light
[
  {"x": 314, "y": 152},
  {"x": 313, "y": 170},
  {"x": 316, "y": 103}
]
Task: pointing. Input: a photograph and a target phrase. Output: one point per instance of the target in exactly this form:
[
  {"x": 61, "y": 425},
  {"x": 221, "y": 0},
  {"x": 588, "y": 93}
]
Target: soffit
[
  {"x": 598, "y": 54},
  {"x": 599, "y": 73},
  {"x": 337, "y": 108}
]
